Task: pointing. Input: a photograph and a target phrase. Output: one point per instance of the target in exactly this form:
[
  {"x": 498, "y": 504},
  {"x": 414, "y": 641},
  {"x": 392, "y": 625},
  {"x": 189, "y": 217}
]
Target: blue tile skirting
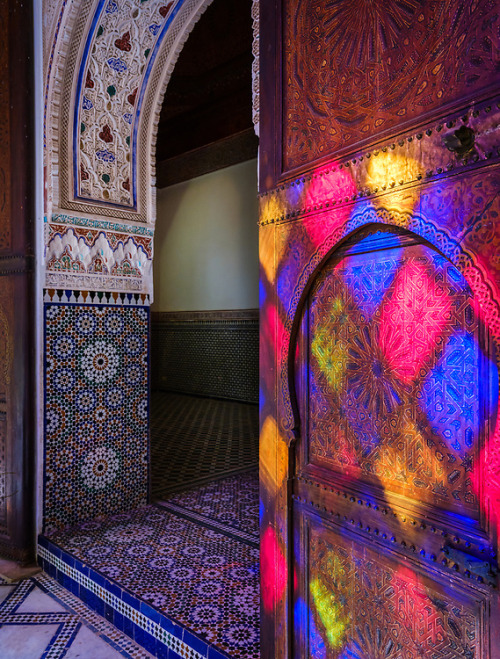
[{"x": 147, "y": 627}]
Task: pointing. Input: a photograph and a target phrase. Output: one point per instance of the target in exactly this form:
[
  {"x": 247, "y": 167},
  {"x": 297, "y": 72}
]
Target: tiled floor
[
  {"x": 229, "y": 504},
  {"x": 180, "y": 576},
  {"x": 193, "y": 558},
  {"x": 195, "y": 440},
  {"x": 39, "y": 619}
]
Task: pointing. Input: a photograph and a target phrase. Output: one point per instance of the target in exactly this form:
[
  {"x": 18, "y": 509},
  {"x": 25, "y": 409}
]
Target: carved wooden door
[{"x": 393, "y": 556}]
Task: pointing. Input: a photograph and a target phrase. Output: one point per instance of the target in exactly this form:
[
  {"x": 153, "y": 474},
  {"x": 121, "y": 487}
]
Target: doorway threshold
[{"x": 180, "y": 577}]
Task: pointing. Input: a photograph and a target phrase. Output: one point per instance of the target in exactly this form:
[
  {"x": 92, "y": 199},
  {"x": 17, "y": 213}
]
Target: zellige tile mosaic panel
[{"x": 96, "y": 411}]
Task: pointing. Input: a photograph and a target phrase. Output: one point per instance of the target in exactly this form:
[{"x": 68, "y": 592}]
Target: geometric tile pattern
[
  {"x": 96, "y": 623},
  {"x": 131, "y": 616},
  {"x": 95, "y": 297},
  {"x": 41, "y": 603},
  {"x": 202, "y": 580},
  {"x": 230, "y": 505},
  {"x": 214, "y": 357},
  {"x": 196, "y": 440},
  {"x": 96, "y": 411},
  {"x": 67, "y": 625}
]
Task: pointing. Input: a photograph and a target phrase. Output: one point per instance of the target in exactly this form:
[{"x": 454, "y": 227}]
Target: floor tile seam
[
  {"x": 234, "y": 534},
  {"x": 15, "y": 598},
  {"x": 92, "y": 620},
  {"x": 124, "y": 609},
  {"x": 42, "y": 618}
]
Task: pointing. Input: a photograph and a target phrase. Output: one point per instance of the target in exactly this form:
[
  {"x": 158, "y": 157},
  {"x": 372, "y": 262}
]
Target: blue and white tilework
[
  {"x": 166, "y": 579},
  {"x": 96, "y": 411},
  {"x": 41, "y": 620}
]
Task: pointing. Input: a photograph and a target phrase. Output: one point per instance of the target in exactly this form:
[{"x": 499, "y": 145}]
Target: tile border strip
[
  {"x": 106, "y": 225},
  {"x": 146, "y": 626},
  {"x": 211, "y": 316},
  {"x": 68, "y": 296},
  {"x": 98, "y": 625}
]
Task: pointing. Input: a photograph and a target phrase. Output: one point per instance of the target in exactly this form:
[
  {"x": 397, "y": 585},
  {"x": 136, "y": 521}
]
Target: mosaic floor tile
[
  {"x": 39, "y": 619},
  {"x": 202, "y": 579},
  {"x": 195, "y": 440},
  {"x": 229, "y": 504}
]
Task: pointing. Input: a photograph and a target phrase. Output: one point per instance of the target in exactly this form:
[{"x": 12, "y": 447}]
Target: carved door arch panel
[{"x": 395, "y": 381}]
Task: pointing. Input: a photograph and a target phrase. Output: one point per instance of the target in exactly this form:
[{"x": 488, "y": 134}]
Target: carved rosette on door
[{"x": 396, "y": 387}]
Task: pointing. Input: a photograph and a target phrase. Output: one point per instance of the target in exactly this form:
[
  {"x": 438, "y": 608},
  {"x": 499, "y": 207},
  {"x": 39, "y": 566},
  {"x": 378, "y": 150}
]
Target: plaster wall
[{"x": 206, "y": 242}]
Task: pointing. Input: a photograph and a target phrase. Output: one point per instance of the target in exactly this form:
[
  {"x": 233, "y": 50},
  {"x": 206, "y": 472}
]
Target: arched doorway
[
  {"x": 124, "y": 56},
  {"x": 396, "y": 394},
  {"x": 204, "y": 416}
]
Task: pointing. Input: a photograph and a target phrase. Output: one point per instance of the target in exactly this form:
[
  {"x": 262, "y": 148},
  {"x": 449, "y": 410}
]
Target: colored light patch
[
  {"x": 329, "y": 183},
  {"x": 273, "y": 570},
  {"x": 489, "y": 488},
  {"x": 331, "y": 439},
  {"x": 262, "y": 293},
  {"x": 271, "y": 209},
  {"x": 288, "y": 273},
  {"x": 373, "y": 393},
  {"x": 417, "y": 604},
  {"x": 269, "y": 259},
  {"x": 450, "y": 394},
  {"x": 391, "y": 466},
  {"x": 294, "y": 192},
  {"x": 488, "y": 455},
  {"x": 273, "y": 332},
  {"x": 330, "y": 613},
  {"x": 273, "y": 455},
  {"x": 393, "y": 169},
  {"x": 317, "y": 645},
  {"x": 369, "y": 279},
  {"x": 262, "y": 511},
  {"x": 303, "y": 617},
  {"x": 328, "y": 348},
  {"x": 412, "y": 318}
]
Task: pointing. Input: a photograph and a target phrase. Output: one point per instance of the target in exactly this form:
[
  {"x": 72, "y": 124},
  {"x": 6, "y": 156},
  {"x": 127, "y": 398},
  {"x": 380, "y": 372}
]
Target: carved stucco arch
[{"x": 70, "y": 39}]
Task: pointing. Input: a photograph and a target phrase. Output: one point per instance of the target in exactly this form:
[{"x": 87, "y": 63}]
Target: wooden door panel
[
  {"x": 392, "y": 555},
  {"x": 357, "y": 601},
  {"x": 398, "y": 382}
]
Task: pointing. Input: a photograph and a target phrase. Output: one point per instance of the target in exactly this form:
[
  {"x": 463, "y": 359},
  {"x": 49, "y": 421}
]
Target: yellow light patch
[
  {"x": 334, "y": 620},
  {"x": 392, "y": 169},
  {"x": 273, "y": 455},
  {"x": 328, "y": 349}
]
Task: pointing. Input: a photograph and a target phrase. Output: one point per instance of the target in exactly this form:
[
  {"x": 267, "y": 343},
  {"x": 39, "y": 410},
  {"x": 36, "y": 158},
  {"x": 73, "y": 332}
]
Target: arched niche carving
[
  {"x": 465, "y": 260},
  {"x": 393, "y": 371},
  {"x": 67, "y": 78}
]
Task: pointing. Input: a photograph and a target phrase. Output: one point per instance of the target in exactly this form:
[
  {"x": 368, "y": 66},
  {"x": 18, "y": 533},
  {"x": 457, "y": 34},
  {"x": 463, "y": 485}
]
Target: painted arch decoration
[
  {"x": 107, "y": 71},
  {"x": 119, "y": 53},
  {"x": 114, "y": 73}
]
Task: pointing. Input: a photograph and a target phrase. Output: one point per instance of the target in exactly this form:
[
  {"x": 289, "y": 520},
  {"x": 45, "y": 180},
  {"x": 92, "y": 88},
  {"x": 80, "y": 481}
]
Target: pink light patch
[
  {"x": 328, "y": 183},
  {"x": 273, "y": 570},
  {"x": 489, "y": 497},
  {"x": 412, "y": 319}
]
